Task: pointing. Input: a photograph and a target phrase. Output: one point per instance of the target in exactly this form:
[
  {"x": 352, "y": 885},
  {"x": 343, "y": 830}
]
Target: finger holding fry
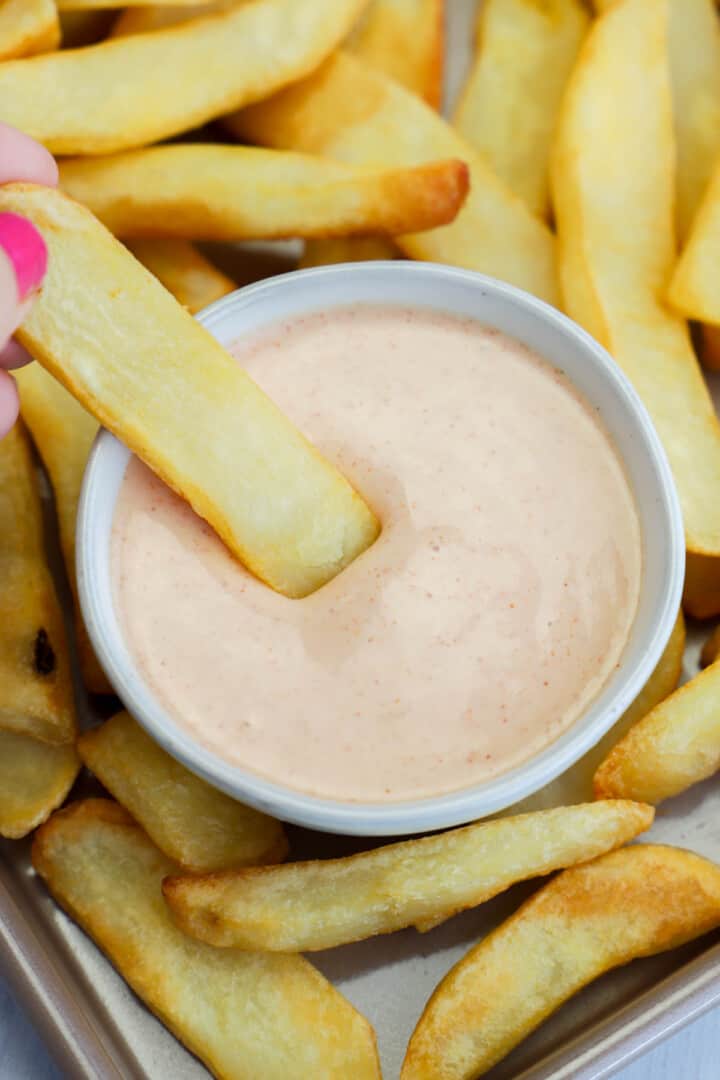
[{"x": 630, "y": 903}]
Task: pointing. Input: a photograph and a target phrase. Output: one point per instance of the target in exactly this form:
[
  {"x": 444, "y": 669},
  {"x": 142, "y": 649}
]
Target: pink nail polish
[{"x": 26, "y": 250}]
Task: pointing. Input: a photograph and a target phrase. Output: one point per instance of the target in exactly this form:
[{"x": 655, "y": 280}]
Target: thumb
[{"x": 23, "y": 262}]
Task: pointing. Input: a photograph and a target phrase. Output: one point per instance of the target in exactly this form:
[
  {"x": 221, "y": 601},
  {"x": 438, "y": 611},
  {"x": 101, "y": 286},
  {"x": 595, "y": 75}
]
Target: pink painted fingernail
[{"x": 26, "y": 250}]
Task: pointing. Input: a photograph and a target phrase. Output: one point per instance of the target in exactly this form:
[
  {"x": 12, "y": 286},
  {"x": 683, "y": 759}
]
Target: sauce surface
[{"x": 492, "y": 609}]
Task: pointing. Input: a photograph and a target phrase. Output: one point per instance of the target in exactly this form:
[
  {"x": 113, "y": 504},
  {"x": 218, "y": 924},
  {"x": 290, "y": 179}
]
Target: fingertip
[
  {"x": 24, "y": 159},
  {"x": 14, "y": 356},
  {"x": 9, "y": 403}
]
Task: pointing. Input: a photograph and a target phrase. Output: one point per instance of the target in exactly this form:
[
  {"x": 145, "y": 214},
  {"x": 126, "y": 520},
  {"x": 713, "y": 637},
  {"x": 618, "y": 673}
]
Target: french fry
[
  {"x": 673, "y": 747},
  {"x": 576, "y": 784},
  {"x": 226, "y": 60},
  {"x": 343, "y": 249},
  {"x": 28, "y": 27},
  {"x": 317, "y": 905},
  {"x": 244, "y": 1015},
  {"x": 711, "y": 649},
  {"x": 192, "y": 279},
  {"x": 404, "y": 39},
  {"x": 141, "y": 20},
  {"x": 35, "y": 777},
  {"x": 36, "y": 693},
  {"x": 693, "y": 289},
  {"x": 198, "y": 827},
  {"x": 211, "y": 192},
  {"x": 617, "y": 250},
  {"x": 349, "y": 112},
  {"x": 63, "y": 434},
  {"x": 636, "y": 902},
  {"x": 136, "y": 360},
  {"x": 509, "y": 106},
  {"x": 92, "y": 5}
]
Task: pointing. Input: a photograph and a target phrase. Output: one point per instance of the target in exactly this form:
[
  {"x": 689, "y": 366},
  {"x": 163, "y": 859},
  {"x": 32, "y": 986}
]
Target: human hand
[{"x": 23, "y": 258}]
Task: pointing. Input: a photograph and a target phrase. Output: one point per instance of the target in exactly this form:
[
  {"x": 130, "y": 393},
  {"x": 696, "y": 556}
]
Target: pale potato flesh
[
  {"x": 349, "y": 112},
  {"x": 614, "y": 203},
  {"x": 136, "y": 360},
  {"x": 694, "y": 286},
  {"x": 198, "y": 826},
  {"x": 28, "y": 27},
  {"x": 317, "y": 905},
  {"x": 227, "y": 193},
  {"x": 636, "y": 902},
  {"x": 510, "y": 103},
  {"x": 63, "y": 433},
  {"x": 36, "y": 693},
  {"x": 245, "y": 1015},
  {"x": 676, "y": 745},
  {"x": 35, "y": 777},
  {"x": 192, "y": 279},
  {"x": 122, "y": 93}
]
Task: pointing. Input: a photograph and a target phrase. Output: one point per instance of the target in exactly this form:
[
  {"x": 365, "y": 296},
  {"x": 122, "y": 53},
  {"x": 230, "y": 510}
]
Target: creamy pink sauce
[{"x": 490, "y": 612}]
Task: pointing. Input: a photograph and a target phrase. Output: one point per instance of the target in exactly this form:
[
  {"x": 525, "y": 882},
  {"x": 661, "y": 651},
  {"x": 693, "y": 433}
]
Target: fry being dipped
[{"x": 146, "y": 370}]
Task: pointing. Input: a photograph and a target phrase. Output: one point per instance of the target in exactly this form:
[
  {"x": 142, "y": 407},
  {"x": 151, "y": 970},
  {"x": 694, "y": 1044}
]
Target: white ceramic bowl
[{"x": 592, "y": 371}]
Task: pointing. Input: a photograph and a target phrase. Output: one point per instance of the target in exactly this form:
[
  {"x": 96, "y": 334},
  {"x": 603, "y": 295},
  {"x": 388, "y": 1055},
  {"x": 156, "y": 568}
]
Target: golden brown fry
[
  {"x": 509, "y": 106},
  {"x": 199, "y": 827},
  {"x": 616, "y": 252},
  {"x": 227, "y": 193},
  {"x": 146, "y": 370},
  {"x": 244, "y": 1015},
  {"x": 192, "y": 279},
  {"x": 404, "y": 39},
  {"x": 711, "y": 649},
  {"x": 631, "y": 903},
  {"x": 70, "y": 101},
  {"x": 36, "y": 693},
  {"x": 35, "y": 777},
  {"x": 694, "y": 43},
  {"x": 317, "y": 905},
  {"x": 28, "y": 27},
  {"x": 576, "y": 785},
  {"x": 63, "y": 434},
  {"x": 343, "y": 249},
  {"x": 673, "y": 747},
  {"x": 351, "y": 113},
  {"x": 141, "y": 20}
]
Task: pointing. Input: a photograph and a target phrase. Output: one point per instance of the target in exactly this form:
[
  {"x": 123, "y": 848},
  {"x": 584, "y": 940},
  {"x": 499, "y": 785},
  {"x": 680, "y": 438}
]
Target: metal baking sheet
[{"x": 98, "y": 1030}]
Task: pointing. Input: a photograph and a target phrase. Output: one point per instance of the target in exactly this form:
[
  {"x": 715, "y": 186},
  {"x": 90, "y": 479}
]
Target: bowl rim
[{"x": 109, "y": 457}]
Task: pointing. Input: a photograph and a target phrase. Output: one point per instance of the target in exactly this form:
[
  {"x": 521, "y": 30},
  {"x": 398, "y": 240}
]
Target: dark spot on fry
[{"x": 44, "y": 654}]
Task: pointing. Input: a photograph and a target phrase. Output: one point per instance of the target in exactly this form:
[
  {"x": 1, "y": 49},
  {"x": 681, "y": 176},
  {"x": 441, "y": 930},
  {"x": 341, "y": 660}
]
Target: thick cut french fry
[
  {"x": 92, "y": 5},
  {"x": 576, "y": 785},
  {"x": 138, "y": 362},
  {"x": 404, "y": 39},
  {"x": 673, "y": 747},
  {"x": 35, "y": 777},
  {"x": 694, "y": 286},
  {"x": 694, "y": 43},
  {"x": 351, "y": 113},
  {"x": 141, "y": 20},
  {"x": 36, "y": 693},
  {"x": 631, "y": 903},
  {"x": 192, "y": 279},
  {"x": 509, "y": 106},
  {"x": 317, "y": 905},
  {"x": 244, "y": 1015},
  {"x": 63, "y": 434},
  {"x": 341, "y": 250},
  {"x": 227, "y": 193},
  {"x": 613, "y": 197},
  {"x": 70, "y": 101},
  {"x": 199, "y": 827},
  {"x": 28, "y": 27},
  {"x": 711, "y": 649}
]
